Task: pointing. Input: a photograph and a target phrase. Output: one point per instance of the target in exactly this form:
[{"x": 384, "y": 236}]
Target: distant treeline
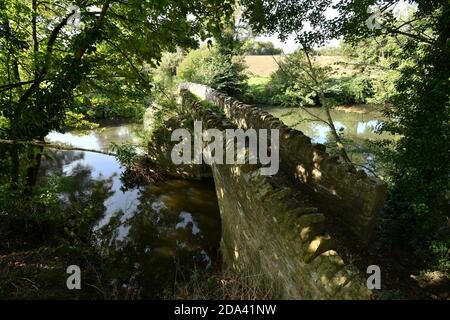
[{"x": 260, "y": 48}]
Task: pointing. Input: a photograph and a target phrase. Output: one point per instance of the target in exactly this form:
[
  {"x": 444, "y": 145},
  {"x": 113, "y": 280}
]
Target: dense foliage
[
  {"x": 57, "y": 58},
  {"x": 221, "y": 66},
  {"x": 419, "y": 114},
  {"x": 290, "y": 85},
  {"x": 260, "y": 48},
  {"x": 415, "y": 48}
]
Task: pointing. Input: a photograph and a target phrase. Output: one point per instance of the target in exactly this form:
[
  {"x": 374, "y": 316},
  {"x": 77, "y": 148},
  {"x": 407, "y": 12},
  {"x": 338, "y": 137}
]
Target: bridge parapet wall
[
  {"x": 350, "y": 196},
  {"x": 268, "y": 234}
]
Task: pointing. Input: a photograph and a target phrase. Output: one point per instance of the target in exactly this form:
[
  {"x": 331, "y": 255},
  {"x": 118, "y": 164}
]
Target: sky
[{"x": 290, "y": 45}]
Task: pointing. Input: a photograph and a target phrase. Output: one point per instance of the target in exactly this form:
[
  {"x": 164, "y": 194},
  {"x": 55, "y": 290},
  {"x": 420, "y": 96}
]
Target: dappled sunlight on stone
[
  {"x": 316, "y": 174},
  {"x": 302, "y": 173},
  {"x": 280, "y": 234}
]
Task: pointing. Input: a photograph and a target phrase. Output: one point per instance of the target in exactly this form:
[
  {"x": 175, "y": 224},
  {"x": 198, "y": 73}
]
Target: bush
[
  {"x": 349, "y": 90},
  {"x": 292, "y": 85},
  {"x": 331, "y": 51},
  {"x": 257, "y": 91},
  {"x": 192, "y": 68},
  {"x": 285, "y": 87},
  {"x": 210, "y": 66},
  {"x": 164, "y": 76},
  {"x": 126, "y": 153},
  {"x": 260, "y": 48},
  {"x": 384, "y": 87}
]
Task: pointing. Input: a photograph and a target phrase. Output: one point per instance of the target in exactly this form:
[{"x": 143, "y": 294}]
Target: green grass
[
  {"x": 257, "y": 90},
  {"x": 258, "y": 81}
]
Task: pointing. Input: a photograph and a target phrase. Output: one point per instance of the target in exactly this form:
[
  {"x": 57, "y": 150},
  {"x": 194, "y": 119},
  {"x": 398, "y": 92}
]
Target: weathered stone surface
[
  {"x": 257, "y": 239},
  {"x": 309, "y": 219},
  {"x": 266, "y": 233},
  {"x": 350, "y": 196},
  {"x": 318, "y": 246},
  {"x": 310, "y": 232}
]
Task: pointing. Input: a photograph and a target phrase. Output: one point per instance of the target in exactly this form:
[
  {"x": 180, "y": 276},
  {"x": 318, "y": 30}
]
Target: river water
[
  {"x": 158, "y": 232},
  {"x": 166, "y": 229},
  {"x": 356, "y": 127}
]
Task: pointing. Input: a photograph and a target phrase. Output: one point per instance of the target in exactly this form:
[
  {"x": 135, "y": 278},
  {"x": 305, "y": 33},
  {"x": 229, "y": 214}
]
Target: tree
[
  {"x": 420, "y": 111},
  {"x": 292, "y": 17},
  {"x": 260, "y": 48},
  {"x": 420, "y": 115},
  {"x": 306, "y": 19},
  {"x": 45, "y": 57},
  {"x": 220, "y": 65},
  {"x": 312, "y": 80}
]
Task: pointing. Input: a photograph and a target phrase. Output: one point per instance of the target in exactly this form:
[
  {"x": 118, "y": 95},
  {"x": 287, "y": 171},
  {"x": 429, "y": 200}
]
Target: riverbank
[
  {"x": 39, "y": 274},
  {"x": 82, "y": 212},
  {"x": 359, "y": 108}
]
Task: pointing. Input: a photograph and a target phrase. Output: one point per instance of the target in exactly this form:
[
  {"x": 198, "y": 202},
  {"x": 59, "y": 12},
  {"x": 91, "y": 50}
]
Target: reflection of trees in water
[
  {"x": 54, "y": 162},
  {"x": 157, "y": 248},
  {"x": 82, "y": 193},
  {"x": 102, "y": 137},
  {"x": 79, "y": 193},
  {"x": 174, "y": 228},
  {"x": 123, "y": 133}
]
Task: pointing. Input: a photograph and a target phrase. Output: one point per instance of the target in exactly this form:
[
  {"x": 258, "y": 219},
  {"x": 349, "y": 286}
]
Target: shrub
[
  {"x": 194, "y": 66},
  {"x": 349, "y": 90},
  {"x": 257, "y": 91},
  {"x": 210, "y": 66},
  {"x": 292, "y": 85},
  {"x": 260, "y": 48},
  {"x": 384, "y": 87},
  {"x": 285, "y": 86},
  {"x": 331, "y": 51},
  {"x": 126, "y": 153},
  {"x": 165, "y": 74}
]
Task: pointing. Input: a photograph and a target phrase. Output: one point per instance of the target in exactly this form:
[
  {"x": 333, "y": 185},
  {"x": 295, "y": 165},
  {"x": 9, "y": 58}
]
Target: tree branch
[
  {"x": 98, "y": 23},
  {"x": 411, "y": 35},
  {"x": 54, "y": 146},
  {"x": 41, "y": 73},
  {"x": 15, "y": 85}
]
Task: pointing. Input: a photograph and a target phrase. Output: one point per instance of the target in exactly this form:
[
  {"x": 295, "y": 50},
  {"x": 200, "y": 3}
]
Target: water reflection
[
  {"x": 171, "y": 232},
  {"x": 98, "y": 139},
  {"x": 357, "y": 126},
  {"x": 149, "y": 235}
]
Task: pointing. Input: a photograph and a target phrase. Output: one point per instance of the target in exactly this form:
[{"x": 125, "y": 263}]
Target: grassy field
[
  {"x": 264, "y": 66},
  {"x": 258, "y": 81},
  {"x": 257, "y": 89}
]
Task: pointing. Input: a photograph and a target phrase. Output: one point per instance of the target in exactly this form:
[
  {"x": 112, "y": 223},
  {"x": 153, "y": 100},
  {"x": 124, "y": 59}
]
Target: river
[
  {"x": 159, "y": 233},
  {"x": 356, "y": 127},
  {"x": 165, "y": 230}
]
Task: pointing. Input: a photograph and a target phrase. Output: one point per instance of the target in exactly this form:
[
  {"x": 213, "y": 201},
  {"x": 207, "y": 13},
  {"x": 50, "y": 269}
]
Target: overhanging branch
[{"x": 54, "y": 146}]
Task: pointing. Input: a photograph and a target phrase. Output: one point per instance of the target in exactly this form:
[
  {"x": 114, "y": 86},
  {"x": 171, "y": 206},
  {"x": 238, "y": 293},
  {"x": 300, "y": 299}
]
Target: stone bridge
[{"x": 281, "y": 226}]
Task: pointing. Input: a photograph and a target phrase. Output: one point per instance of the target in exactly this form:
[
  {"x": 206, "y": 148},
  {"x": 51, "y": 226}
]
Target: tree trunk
[
  {"x": 337, "y": 138},
  {"x": 321, "y": 94},
  {"x": 33, "y": 169},
  {"x": 14, "y": 152}
]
